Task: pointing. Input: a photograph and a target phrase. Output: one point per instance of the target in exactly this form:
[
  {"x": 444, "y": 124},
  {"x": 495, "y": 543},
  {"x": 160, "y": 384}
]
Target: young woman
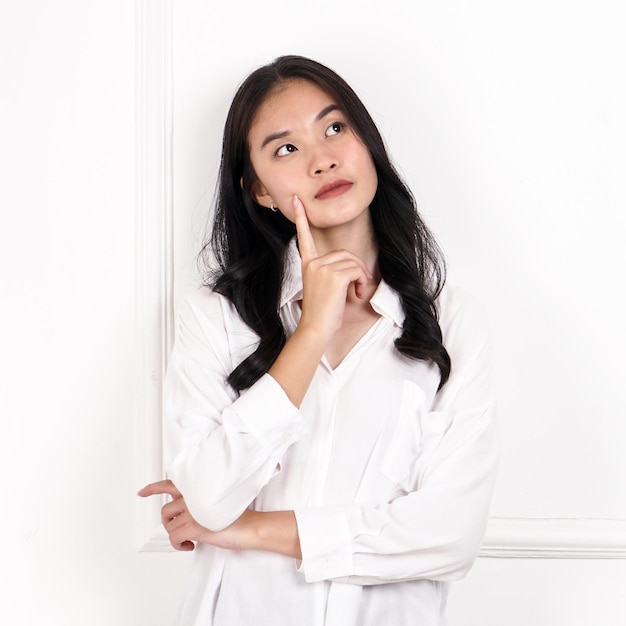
[{"x": 329, "y": 412}]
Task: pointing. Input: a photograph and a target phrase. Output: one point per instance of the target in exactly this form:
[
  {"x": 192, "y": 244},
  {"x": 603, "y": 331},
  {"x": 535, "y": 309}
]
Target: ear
[{"x": 260, "y": 194}]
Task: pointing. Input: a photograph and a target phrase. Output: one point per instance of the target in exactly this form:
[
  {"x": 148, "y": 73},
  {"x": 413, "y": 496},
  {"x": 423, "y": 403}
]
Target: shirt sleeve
[
  {"x": 221, "y": 449},
  {"x": 436, "y": 530}
]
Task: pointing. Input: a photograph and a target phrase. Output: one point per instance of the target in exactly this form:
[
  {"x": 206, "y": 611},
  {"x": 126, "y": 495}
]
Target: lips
[{"x": 330, "y": 190}]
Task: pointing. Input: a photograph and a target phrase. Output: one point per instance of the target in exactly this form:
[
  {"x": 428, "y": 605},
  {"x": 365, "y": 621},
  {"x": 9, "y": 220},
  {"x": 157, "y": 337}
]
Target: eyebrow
[{"x": 284, "y": 133}]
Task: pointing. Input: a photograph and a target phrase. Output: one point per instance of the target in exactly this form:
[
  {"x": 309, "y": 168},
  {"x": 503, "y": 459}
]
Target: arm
[
  {"x": 435, "y": 529},
  {"x": 326, "y": 280},
  {"x": 222, "y": 449},
  {"x": 273, "y": 531}
]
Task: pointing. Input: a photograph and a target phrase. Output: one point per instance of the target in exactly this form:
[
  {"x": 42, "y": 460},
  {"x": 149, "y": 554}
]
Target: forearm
[
  {"x": 276, "y": 531},
  {"x": 227, "y": 466},
  {"x": 295, "y": 366},
  {"x": 417, "y": 535},
  {"x": 271, "y": 531}
]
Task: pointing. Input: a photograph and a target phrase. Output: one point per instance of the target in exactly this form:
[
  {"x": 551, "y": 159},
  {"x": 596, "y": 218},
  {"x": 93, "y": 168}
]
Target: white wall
[
  {"x": 507, "y": 120},
  {"x": 68, "y": 365}
]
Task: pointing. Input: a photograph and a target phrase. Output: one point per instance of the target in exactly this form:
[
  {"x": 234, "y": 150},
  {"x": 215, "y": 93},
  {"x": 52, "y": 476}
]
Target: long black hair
[{"x": 249, "y": 243}]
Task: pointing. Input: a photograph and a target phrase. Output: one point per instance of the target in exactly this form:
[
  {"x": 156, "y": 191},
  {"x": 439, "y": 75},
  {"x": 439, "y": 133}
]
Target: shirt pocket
[{"x": 414, "y": 439}]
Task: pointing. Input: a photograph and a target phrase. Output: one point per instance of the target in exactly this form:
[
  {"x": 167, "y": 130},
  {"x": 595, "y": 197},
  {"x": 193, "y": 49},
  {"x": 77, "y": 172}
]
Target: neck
[{"x": 356, "y": 237}]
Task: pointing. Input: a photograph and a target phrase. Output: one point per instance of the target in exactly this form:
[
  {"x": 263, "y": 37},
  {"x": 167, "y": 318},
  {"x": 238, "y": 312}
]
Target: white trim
[
  {"x": 574, "y": 538},
  {"x": 154, "y": 237},
  {"x": 157, "y": 541}
]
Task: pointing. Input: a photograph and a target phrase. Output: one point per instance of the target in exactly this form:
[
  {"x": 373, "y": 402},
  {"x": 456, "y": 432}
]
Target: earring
[{"x": 273, "y": 208}]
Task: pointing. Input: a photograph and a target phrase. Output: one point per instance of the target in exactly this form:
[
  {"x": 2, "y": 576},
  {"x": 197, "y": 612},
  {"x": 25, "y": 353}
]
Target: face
[{"x": 301, "y": 144}]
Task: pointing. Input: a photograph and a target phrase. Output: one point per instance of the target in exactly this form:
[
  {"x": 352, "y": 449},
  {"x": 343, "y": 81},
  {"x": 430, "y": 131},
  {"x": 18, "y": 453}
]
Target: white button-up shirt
[{"x": 390, "y": 479}]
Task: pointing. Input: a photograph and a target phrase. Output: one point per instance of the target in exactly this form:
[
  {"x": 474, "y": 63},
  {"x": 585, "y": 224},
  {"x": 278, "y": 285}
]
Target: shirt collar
[{"x": 385, "y": 301}]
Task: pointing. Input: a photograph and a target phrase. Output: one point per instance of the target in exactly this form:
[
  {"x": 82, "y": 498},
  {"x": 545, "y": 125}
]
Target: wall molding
[
  {"x": 154, "y": 241},
  {"x": 555, "y": 538},
  {"x": 576, "y": 538}
]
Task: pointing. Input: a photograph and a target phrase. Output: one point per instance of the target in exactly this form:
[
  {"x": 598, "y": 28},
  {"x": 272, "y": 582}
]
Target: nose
[
  {"x": 323, "y": 161},
  {"x": 321, "y": 169}
]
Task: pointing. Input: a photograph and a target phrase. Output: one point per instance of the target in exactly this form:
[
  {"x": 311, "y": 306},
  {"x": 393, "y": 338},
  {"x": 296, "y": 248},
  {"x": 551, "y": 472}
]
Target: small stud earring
[{"x": 273, "y": 207}]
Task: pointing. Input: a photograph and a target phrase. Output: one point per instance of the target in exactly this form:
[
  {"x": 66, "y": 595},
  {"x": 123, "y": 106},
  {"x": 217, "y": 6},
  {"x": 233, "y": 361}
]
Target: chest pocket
[{"x": 414, "y": 439}]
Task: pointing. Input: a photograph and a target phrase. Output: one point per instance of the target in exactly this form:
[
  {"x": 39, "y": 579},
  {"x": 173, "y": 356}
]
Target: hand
[
  {"x": 184, "y": 530},
  {"x": 326, "y": 279}
]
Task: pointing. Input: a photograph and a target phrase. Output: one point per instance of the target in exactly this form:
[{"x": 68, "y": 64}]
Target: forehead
[{"x": 290, "y": 104}]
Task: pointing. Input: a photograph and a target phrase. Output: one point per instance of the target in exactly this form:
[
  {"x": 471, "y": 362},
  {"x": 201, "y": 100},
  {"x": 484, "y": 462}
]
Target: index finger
[
  {"x": 160, "y": 487},
  {"x": 305, "y": 239}
]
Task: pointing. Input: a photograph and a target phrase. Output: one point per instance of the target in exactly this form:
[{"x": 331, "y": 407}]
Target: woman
[{"x": 329, "y": 413}]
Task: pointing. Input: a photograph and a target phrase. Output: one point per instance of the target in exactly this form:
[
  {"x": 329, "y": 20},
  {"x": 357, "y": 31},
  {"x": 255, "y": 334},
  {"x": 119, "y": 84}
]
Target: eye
[
  {"x": 334, "y": 129},
  {"x": 285, "y": 149}
]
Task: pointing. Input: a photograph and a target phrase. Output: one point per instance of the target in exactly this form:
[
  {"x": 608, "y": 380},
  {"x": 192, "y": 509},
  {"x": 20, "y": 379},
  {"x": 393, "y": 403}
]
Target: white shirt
[{"x": 389, "y": 479}]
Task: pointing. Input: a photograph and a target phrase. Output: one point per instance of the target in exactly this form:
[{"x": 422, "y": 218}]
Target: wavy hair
[{"x": 244, "y": 256}]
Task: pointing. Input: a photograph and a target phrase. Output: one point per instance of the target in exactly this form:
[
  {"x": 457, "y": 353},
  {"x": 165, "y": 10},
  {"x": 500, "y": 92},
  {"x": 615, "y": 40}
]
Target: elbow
[
  {"x": 462, "y": 561},
  {"x": 215, "y": 518},
  {"x": 214, "y": 515},
  {"x": 461, "y": 551}
]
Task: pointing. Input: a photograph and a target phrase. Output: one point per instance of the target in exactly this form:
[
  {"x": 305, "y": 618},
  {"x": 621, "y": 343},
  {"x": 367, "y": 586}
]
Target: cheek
[
  {"x": 282, "y": 190},
  {"x": 274, "y": 183},
  {"x": 372, "y": 175},
  {"x": 283, "y": 198},
  {"x": 286, "y": 207},
  {"x": 366, "y": 163}
]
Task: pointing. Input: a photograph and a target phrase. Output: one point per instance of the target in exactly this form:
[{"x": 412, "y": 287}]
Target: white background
[{"x": 506, "y": 120}]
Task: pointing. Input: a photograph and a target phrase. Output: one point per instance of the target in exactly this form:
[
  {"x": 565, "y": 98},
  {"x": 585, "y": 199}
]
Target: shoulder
[
  {"x": 208, "y": 319},
  {"x": 202, "y": 304},
  {"x": 198, "y": 312},
  {"x": 456, "y": 303},
  {"x": 202, "y": 308},
  {"x": 463, "y": 319}
]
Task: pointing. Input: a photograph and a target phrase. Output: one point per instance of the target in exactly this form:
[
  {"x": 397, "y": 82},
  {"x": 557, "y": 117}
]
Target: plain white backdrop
[{"x": 506, "y": 120}]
